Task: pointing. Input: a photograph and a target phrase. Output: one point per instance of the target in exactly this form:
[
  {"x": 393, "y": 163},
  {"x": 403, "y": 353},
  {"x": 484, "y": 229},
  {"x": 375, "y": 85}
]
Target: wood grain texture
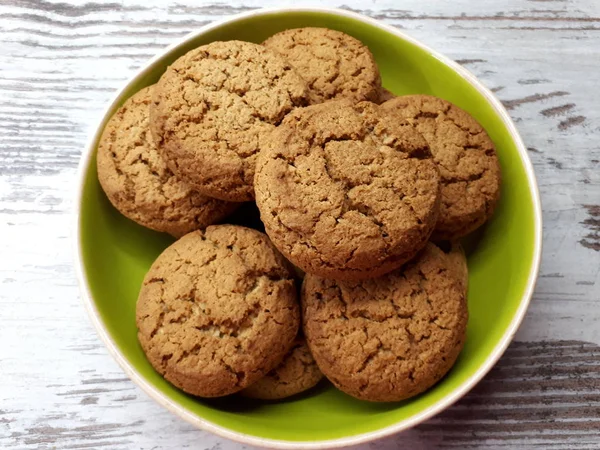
[{"x": 60, "y": 62}]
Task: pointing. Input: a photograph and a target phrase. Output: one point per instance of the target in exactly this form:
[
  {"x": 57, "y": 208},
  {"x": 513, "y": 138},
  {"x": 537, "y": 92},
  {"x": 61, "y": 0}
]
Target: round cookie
[
  {"x": 334, "y": 64},
  {"x": 214, "y": 107},
  {"x": 346, "y": 192},
  {"x": 297, "y": 373},
  {"x": 466, "y": 158},
  {"x": 217, "y": 310},
  {"x": 390, "y": 338},
  {"x": 137, "y": 181}
]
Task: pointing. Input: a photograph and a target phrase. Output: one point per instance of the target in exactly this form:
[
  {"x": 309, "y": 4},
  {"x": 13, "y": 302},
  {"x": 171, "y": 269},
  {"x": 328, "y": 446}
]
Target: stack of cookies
[{"x": 364, "y": 193}]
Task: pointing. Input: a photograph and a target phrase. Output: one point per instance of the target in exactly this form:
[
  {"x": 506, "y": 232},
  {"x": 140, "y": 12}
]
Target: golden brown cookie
[
  {"x": 218, "y": 310},
  {"x": 214, "y": 107},
  {"x": 389, "y": 338},
  {"x": 466, "y": 158},
  {"x": 346, "y": 192},
  {"x": 138, "y": 182},
  {"x": 458, "y": 261},
  {"x": 297, "y": 373},
  {"x": 334, "y": 64}
]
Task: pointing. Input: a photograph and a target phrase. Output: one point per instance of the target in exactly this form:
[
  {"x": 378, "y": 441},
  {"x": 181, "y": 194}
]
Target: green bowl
[{"x": 113, "y": 253}]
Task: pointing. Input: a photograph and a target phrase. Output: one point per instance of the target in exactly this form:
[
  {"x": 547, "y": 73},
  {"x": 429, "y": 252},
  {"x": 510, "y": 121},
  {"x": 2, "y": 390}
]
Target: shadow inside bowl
[
  {"x": 247, "y": 215},
  {"x": 132, "y": 239},
  {"x": 239, "y": 404},
  {"x": 471, "y": 242}
]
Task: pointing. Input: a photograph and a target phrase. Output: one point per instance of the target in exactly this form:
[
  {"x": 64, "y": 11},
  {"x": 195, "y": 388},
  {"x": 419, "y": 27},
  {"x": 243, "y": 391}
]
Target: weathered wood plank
[{"x": 60, "y": 62}]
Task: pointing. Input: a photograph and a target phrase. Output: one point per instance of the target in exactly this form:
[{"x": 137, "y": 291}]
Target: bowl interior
[{"x": 117, "y": 253}]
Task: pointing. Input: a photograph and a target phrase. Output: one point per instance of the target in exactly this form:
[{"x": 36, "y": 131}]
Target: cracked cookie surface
[
  {"x": 297, "y": 373},
  {"x": 390, "y": 338},
  {"x": 334, "y": 64},
  {"x": 346, "y": 192},
  {"x": 458, "y": 261},
  {"x": 137, "y": 181},
  {"x": 466, "y": 158},
  {"x": 214, "y": 107},
  {"x": 217, "y": 310}
]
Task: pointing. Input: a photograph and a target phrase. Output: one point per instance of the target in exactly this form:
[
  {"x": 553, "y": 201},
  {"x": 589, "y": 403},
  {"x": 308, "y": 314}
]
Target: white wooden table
[{"x": 59, "y": 65}]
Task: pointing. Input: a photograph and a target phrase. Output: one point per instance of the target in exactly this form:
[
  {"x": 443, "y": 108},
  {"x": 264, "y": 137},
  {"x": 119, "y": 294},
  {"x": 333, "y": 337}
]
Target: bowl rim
[{"x": 244, "y": 438}]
